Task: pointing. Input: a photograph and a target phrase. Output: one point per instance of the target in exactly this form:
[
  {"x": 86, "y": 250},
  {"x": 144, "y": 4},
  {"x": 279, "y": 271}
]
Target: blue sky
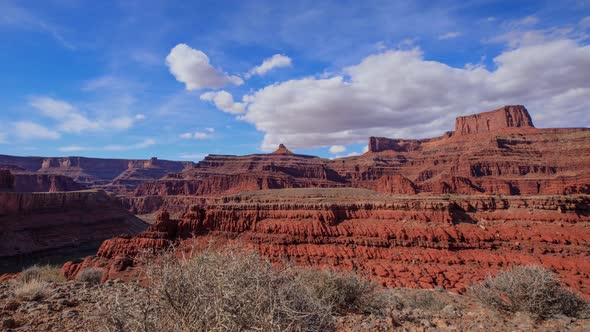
[{"x": 179, "y": 80}]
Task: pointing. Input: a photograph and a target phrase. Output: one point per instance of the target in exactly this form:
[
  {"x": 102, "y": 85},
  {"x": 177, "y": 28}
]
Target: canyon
[{"x": 439, "y": 212}]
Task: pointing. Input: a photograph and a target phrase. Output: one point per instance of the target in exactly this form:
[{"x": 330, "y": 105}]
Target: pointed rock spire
[{"x": 282, "y": 150}]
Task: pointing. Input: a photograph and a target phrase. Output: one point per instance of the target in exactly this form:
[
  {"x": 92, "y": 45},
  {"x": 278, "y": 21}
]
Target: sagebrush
[
  {"x": 90, "y": 275},
  {"x": 531, "y": 289},
  {"x": 234, "y": 290}
]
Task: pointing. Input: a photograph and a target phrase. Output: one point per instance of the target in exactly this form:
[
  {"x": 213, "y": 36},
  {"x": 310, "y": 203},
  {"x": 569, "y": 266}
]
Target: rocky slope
[
  {"x": 409, "y": 241},
  {"x": 41, "y": 227},
  {"x": 497, "y": 152}
]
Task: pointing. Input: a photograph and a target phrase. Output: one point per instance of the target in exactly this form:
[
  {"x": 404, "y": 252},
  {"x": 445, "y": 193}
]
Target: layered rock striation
[{"x": 407, "y": 241}]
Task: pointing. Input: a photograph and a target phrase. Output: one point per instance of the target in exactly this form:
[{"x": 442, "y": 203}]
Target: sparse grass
[
  {"x": 45, "y": 273},
  {"x": 90, "y": 275},
  {"x": 32, "y": 290},
  {"x": 531, "y": 289},
  {"x": 234, "y": 290}
]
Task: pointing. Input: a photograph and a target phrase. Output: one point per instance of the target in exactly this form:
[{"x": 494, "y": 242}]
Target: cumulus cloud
[
  {"x": 275, "y": 61},
  {"x": 399, "y": 93},
  {"x": 116, "y": 147},
  {"x": 336, "y": 149},
  {"x": 192, "y": 67},
  {"x": 449, "y": 35},
  {"x": 224, "y": 101},
  {"x": 71, "y": 120},
  {"x": 31, "y": 130}
]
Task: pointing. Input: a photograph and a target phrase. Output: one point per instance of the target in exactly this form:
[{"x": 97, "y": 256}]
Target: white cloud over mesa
[{"x": 399, "y": 93}]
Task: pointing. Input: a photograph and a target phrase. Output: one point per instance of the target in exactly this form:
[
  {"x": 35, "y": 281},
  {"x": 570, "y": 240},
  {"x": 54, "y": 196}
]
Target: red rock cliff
[
  {"x": 411, "y": 241},
  {"x": 40, "y": 223},
  {"x": 506, "y": 117}
]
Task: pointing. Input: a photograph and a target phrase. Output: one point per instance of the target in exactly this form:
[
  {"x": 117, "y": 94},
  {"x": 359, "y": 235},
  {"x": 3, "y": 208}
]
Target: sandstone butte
[{"x": 445, "y": 211}]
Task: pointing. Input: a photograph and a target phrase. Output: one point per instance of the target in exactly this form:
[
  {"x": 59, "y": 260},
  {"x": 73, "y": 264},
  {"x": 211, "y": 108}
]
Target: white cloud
[
  {"x": 192, "y": 67},
  {"x": 380, "y": 45},
  {"x": 210, "y": 129},
  {"x": 529, "y": 20},
  {"x": 585, "y": 22},
  {"x": 31, "y": 130},
  {"x": 71, "y": 120},
  {"x": 186, "y": 135},
  {"x": 449, "y": 35},
  {"x": 335, "y": 149},
  {"x": 224, "y": 101},
  {"x": 195, "y": 135},
  {"x": 139, "y": 117},
  {"x": 192, "y": 156},
  {"x": 275, "y": 61},
  {"x": 366, "y": 149},
  {"x": 398, "y": 93},
  {"x": 201, "y": 135},
  {"x": 72, "y": 148},
  {"x": 141, "y": 145}
]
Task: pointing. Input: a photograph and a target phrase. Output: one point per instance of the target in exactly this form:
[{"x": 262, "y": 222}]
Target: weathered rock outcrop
[
  {"x": 515, "y": 116},
  {"x": 410, "y": 241},
  {"x": 54, "y": 226}
]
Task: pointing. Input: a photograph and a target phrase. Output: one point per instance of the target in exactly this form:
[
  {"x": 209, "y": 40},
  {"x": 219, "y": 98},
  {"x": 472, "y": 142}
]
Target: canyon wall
[
  {"x": 408, "y": 241},
  {"x": 43, "y": 223}
]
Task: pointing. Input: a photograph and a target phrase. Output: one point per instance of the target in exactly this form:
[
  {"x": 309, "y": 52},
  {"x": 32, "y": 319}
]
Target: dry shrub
[
  {"x": 531, "y": 289},
  {"x": 32, "y": 290},
  {"x": 425, "y": 300},
  {"x": 45, "y": 273},
  {"x": 230, "y": 290},
  {"x": 90, "y": 275},
  {"x": 342, "y": 291}
]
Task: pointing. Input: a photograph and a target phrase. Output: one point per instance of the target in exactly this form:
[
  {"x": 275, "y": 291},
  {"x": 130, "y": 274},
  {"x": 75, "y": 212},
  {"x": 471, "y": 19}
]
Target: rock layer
[{"x": 409, "y": 241}]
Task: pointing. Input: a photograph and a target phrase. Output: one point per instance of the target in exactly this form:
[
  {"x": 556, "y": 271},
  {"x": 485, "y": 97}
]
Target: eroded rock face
[
  {"x": 514, "y": 116},
  {"x": 407, "y": 241},
  {"x": 45, "y": 225}
]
